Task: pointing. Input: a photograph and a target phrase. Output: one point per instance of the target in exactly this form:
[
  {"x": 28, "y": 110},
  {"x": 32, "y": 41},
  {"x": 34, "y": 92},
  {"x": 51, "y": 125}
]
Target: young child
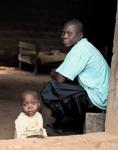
[{"x": 30, "y": 122}]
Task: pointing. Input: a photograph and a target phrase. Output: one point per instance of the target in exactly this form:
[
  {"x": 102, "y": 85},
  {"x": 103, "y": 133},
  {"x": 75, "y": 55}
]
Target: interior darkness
[{"x": 98, "y": 16}]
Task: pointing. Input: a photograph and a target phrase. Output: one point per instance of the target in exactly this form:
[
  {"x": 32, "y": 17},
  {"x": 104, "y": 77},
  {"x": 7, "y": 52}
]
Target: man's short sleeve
[{"x": 74, "y": 62}]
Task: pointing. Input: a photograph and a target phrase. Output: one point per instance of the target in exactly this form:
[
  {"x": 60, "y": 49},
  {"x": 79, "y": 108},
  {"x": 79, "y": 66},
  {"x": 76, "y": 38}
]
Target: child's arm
[
  {"x": 42, "y": 131},
  {"x": 20, "y": 131}
]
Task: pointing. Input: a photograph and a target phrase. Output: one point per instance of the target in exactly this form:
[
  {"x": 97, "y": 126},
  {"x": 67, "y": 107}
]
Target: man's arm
[{"x": 58, "y": 77}]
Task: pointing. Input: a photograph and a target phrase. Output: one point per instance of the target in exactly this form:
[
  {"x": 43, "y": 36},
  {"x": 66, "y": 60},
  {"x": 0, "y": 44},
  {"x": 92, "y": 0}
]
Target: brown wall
[
  {"x": 46, "y": 38},
  {"x": 40, "y": 22},
  {"x": 112, "y": 110}
]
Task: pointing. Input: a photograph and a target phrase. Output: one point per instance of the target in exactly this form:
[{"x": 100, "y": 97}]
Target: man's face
[{"x": 70, "y": 35}]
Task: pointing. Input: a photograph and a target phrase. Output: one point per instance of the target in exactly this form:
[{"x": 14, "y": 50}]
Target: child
[{"x": 30, "y": 122}]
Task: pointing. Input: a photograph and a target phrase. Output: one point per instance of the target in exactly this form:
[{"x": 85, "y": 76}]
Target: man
[{"x": 80, "y": 83}]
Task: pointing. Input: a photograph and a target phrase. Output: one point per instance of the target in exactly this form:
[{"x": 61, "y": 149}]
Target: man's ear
[{"x": 81, "y": 35}]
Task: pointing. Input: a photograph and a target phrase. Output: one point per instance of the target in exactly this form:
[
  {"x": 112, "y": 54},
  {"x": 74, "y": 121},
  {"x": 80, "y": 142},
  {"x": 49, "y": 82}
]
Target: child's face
[{"x": 30, "y": 105}]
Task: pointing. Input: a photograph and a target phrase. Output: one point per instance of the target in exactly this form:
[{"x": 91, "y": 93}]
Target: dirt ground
[{"x": 12, "y": 83}]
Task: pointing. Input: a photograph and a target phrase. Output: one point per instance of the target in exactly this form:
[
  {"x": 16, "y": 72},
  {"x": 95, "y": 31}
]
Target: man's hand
[
  {"x": 52, "y": 73},
  {"x": 56, "y": 76}
]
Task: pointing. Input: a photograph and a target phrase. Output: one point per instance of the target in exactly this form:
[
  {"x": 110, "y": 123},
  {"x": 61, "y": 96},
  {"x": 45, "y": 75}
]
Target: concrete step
[{"x": 94, "y": 122}]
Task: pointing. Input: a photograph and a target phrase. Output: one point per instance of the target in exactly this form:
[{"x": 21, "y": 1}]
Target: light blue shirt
[{"x": 85, "y": 62}]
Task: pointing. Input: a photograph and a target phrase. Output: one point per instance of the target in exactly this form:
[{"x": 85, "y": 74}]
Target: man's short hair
[{"x": 79, "y": 24}]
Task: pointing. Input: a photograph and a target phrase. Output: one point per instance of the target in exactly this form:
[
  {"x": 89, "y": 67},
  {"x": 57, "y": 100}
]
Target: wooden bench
[
  {"x": 28, "y": 54},
  {"x": 46, "y": 57}
]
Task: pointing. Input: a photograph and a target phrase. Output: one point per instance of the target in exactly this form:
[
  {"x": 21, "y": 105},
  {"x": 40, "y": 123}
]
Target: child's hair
[{"x": 31, "y": 92}]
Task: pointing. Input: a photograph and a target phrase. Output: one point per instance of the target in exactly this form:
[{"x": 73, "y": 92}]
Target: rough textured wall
[
  {"x": 40, "y": 22},
  {"x": 46, "y": 37},
  {"x": 112, "y": 111}
]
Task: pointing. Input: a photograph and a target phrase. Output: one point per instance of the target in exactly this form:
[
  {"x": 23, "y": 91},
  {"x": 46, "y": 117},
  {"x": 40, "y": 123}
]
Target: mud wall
[
  {"x": 40, "y": 22},
  {"x": 112, "y": 110},
  {"x": 45, "y": 37}
]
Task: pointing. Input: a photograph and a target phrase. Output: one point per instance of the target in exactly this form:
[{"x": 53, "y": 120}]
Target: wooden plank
[
  {"x": 27, "y": 45},
  {"x": 27, "y": 54}
]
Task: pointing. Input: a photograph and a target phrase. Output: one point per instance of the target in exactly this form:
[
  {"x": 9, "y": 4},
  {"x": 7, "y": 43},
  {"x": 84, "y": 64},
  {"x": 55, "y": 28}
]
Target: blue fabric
[{"x": 86, "y": 63}]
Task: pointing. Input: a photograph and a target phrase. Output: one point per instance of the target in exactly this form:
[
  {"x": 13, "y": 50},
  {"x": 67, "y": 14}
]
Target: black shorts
[{"x": 67, "y": 99}]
